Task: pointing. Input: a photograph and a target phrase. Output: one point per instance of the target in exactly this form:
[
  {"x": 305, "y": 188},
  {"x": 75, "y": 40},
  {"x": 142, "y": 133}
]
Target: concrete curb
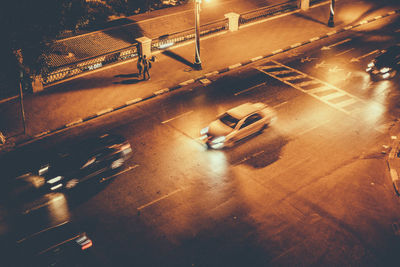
[{"x": 198, "y": 79}]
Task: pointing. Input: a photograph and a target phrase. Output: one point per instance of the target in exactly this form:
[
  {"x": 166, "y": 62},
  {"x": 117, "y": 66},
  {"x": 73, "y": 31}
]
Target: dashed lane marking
[
  {"x": 176, "y": 117},
  {"x": 159, "y": 199},
  {"x": 250, "y": 88},
  {"x": 119, "y": 173}
]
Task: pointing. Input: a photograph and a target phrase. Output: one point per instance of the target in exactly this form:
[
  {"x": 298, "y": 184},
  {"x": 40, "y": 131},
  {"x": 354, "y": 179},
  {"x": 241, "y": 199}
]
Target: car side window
[{"x": 250, "y": 120}]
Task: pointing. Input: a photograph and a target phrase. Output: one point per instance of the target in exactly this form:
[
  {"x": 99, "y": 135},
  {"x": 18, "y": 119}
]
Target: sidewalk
[{"x": 117, "y": 86}]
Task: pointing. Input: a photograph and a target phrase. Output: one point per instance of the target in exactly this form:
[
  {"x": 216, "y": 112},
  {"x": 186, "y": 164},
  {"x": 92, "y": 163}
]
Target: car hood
[{"x": 217, "y": 128}]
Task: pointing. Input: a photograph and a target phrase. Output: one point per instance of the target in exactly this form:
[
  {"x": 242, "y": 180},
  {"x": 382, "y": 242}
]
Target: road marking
[
  {"x": 159, "y": 199},
  {"x": 307, "y": 59},
  {"x": 119, "y": 173},
  {"x": 211, "y": 73},
  {"x": 277, "y": 51},
  {"x": 346, "y": 102},
  {"x": 256, "y": 58},
  {"x": 133, "y": 101},
  {"x": 248, "y": 89},
  {"x": 312, "y": 92},
  {"x": 306, "y": 83},
  {"x": 293, "y": 77},
  {"x": 47, "y": 203},
  {"x": 41, "y": 231},
  {"x": 344, "y": 52},
  {"x": 183, "y": 114},
  {"x": 231, "y": 67},
  {"x": 313, "y": 128},
  {"x": 279, "y": 105},
  {"x": 161, "y": 91},
  {"x": 335, "y": 44},
  {"x": 280, "y": 72},
  {"x": 363, "y": 56},
  {"x": 104, "y": 111},
  {"x": 186, "y": 82},
  {"x": 295, "y": 45},
  {"x": 74, "y": 123},
  {"x": 378, "y": 17}
]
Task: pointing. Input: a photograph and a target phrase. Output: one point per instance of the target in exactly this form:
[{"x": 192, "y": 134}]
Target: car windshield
[{"x": 229, "y": 120}]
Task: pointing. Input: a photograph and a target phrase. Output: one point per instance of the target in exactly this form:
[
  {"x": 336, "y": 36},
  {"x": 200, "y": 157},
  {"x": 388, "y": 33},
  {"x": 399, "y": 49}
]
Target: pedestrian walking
[
  {"x": 140, "y": 65},
  {"x": 146, "y": 67}
]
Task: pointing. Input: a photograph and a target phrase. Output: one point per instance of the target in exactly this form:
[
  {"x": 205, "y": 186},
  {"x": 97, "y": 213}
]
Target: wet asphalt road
[{"x": 312, "y": 189}]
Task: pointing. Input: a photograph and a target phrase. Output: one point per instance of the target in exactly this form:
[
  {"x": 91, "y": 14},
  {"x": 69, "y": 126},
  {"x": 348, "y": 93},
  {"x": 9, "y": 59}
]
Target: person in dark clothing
[
  {"x": 140, "y": 65},
  {"x": 146, "y": 67}
]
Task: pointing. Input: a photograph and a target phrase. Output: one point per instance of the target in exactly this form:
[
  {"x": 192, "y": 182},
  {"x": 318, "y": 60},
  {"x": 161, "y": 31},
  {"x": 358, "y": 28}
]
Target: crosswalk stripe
[
  {"x": 281, "y": 72},
  {"x": 346, "y": 102},
  {"x": 290, "y": 78},
  {"x": 269, "y": 67},
  {"x": 332, "y": 96},
  {"x": 307, "y": 83},
  {"x": 318, "y": 89}
]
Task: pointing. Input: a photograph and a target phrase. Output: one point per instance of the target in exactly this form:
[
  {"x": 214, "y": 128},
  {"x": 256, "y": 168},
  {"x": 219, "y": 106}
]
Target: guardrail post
[
  {"x": 304, "y": 4},
  {"x": 144, "y": 46},
  {"x": 37, "y": 84},
  {"x": 233, "y": 21}
]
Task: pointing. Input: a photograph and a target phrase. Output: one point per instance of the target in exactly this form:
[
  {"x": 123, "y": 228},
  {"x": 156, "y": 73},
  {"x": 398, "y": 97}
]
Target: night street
[{"x": 312, "y": 189}]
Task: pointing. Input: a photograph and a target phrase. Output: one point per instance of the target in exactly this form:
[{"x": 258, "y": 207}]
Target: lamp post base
[
  {"x": 197, "y": 66},
  {"x": 331, "y": 23}
]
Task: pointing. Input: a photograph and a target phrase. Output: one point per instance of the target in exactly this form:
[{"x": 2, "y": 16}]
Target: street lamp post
[
  {"x": 197, "y": 61},
  {"x": 331, "y": 22}
]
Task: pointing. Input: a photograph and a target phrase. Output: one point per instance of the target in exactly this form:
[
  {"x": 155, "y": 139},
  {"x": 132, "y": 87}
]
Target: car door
[{"x": 251, "y": 124}]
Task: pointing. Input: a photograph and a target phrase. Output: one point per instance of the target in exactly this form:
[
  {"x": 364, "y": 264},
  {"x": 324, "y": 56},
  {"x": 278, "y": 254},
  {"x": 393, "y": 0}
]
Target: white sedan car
[{"x": 237, "y": 123}]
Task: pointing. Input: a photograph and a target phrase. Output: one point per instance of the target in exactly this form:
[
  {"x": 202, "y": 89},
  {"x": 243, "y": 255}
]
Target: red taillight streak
[{"x": 87, "y": 245}]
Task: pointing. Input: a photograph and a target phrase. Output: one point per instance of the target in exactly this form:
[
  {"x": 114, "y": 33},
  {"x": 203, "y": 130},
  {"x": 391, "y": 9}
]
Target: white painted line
[
  {"x": 332, "y": 96},
  {"x": 363, "y": 56},
  {"x": 293, "y": 77},
  {"x": 363, "y": 22},
  {"x": 159, "y": 199},
  {"x": 280, "y": 72},
  {"x": 336, "y": 44},
  {"x": 47, "y": 203},
  {"x": 344, "y": 52},
  {"x": 307, "y": 83},
  {"x": 183, "y": 114},
  {"x": 313, "y": 128},
  {"x": 133, "y": 101},
  {"x": 161, "y": 91},
  {"x": 256, "y": 58},
  {"x": 279, "y": 105},
  {"x": 348, "y": 27},
  {"x": 41, "y": 134},
  {"x": 269, "y": 67},
  {"x": 211, "y": 73},
  {"x": 295, "y": 45},
  {"x": 231, "y": 67},
  {"x": 73, "y": 123},
  {"x": 277, "y": 51},
  {"x": 331, "y": 33},
  {"x": 119, "y": 173},
  {"x": 378, "y": 17},
  {"x": 346, "y": 102},
  {"x": 394, "y": 175},
  {"x": 187, "y": 82},
  {"x": 104, "y": 111},
  {"x": 318, "y": 89},
  {"x": 248, "y": 89},
  {"x": 314, "y": 39}
]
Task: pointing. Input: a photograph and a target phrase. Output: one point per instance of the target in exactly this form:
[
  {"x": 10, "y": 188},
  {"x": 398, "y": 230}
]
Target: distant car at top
[
  {"x": 237, "y": 123},
  {"x": 92, "y": 158},
  {"x": 386, "y": 64}
]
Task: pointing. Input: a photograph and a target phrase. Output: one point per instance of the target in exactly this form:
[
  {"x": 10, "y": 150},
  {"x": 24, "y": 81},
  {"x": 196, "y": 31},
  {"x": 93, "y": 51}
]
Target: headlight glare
[
  {"x": 371, "y": 64},
  {"x": 384, "y": 70},
  {"x": 219, "y": 139},
  {"x": 204, "y": 131}
]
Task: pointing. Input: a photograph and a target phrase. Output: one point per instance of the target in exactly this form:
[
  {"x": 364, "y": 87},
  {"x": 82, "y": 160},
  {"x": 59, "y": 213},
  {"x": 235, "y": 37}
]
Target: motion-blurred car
[
  {"x": 386, "y": 64},
  {"x": 93, "y": 158},
  {"x": 61, "y": 245},
  {"x": 237, "y": 123}
]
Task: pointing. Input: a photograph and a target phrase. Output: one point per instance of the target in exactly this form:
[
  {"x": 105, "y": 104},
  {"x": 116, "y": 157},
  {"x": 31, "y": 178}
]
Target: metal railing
[
  {"x": 168, "y": 40},
  {"x": 66, "y": 71},
  {"x": 69, "y": 70},
  {"x": 264, "y": 12}
]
